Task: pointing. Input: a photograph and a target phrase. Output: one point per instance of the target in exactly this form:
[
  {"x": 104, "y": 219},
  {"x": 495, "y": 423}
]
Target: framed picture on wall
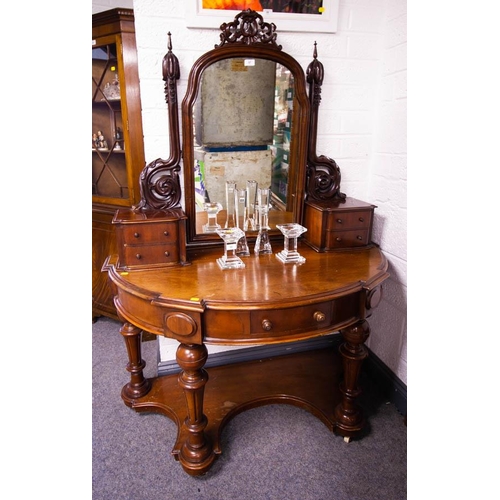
[{"x": 319, "y": 16}]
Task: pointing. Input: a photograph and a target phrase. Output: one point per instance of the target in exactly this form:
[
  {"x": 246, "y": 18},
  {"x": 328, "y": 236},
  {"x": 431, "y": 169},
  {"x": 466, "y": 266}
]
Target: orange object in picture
[
  {"x": 232, "y": 5},
  {"x": 287, "y": 6}
]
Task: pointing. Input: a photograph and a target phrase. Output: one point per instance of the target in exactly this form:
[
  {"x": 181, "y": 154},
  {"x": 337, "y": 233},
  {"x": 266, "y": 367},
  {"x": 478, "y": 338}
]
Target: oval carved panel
[{"x": 180, "y": 324}]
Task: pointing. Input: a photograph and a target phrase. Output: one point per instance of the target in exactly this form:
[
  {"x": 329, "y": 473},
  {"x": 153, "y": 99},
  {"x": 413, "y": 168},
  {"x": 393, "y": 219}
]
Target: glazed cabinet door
[
  {"x": 109, "y": 163},
  {"x": 117, "y": 138}
]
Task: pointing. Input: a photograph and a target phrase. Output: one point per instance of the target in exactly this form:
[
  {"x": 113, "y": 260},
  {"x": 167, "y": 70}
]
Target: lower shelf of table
[{"x": 308, "y": 380}]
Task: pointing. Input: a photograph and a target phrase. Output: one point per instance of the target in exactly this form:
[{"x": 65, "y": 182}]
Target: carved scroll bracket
[
  {"x": 323, "y": 173},
  {"x": 159, "y": 181}
]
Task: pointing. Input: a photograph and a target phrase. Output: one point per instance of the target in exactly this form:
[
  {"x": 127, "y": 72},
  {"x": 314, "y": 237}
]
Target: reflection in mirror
[{"x": 242, "y": 131}]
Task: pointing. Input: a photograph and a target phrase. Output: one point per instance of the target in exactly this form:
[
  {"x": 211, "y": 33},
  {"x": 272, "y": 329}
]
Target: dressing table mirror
[
  {"x": 250, "y": 113},
  {"x": 165, "y": 279},
  {"x": 245, "y": 117}
]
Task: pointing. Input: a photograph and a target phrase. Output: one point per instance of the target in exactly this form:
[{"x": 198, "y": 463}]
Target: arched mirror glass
[
  {"x": 242, "y": 133},
  {"x": 245, "y": 121}
]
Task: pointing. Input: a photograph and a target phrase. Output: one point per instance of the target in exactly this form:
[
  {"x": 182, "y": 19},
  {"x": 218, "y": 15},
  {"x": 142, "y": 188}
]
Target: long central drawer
[{"x": 293, "y": 323}]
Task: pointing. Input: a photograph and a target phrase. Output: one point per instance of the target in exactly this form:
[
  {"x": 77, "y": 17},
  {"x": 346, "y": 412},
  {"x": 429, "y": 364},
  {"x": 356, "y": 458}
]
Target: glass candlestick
[
  {"x": 241, "y": 216},
  {"x": 251, "y": 222},
  {"x": 212, "y": 209},
  {"x": 230, "y": 206},
  {"x": 230, "y": 260},
  {"x": 289, "y": 254},
  {"x": 263, "y": 243}
]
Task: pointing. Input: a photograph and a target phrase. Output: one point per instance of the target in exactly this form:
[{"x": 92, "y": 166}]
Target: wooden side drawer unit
[
  {"x": 150, "y": 238},
  {"x": 339, "y": 225}
]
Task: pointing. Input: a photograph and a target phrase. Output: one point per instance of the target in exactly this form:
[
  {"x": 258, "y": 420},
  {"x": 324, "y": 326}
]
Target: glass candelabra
[
  {"x": 251, "y": 221},
  {"x": 230, "y": 237},
  {"x": 212, "y": 209},
  {"x": 230, "y": 204},
  {"x": 290, "y": 254},
  {"x": 262, "y": 242},
  {"x": 241, "y": 216}
]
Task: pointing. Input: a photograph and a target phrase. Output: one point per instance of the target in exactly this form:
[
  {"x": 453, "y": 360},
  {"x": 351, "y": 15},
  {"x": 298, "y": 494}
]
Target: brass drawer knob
[
  {"x": 167, "y": 254},
  {"x": 361, "y": 219},
  {"x": 319, "y": 316},
  {"x": 359, "y": 237},
  {"x": 339, "y": 221},
  {"x": 138, "y": 256},
  {"x": 165, "y": 233},
  {"x": 136, "y": 235},
  {"x": 266, "y": 325}
]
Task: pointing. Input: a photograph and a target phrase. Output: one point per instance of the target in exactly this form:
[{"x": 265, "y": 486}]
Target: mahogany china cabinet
[
  {"x": 117, "y": 139},
  {"x": 166, "y": 274}
]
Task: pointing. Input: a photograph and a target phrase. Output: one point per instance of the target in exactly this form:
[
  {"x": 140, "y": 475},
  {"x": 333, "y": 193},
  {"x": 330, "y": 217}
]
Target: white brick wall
[
  {"x": 362, "y": 120},
  {"x": 387, "y": 190}
]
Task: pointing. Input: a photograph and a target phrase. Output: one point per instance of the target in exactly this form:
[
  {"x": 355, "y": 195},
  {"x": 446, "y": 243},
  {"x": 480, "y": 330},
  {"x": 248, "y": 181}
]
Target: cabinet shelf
[
  {"x": 105, "y": 102},
  {"x": 119, "y": 151}
]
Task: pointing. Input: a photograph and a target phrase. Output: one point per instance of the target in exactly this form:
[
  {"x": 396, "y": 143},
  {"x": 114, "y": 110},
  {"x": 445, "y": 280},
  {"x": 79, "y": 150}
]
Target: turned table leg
[
  {"x": 349, "y": 416},
  {"x": 138, "y": 385},
  {"x": 196, "y": 454}
]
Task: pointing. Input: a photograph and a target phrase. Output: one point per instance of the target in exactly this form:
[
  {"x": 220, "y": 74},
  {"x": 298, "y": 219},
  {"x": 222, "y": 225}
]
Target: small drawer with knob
[
  {"x": 347, "y": 239},
  {"x": 147, "y": 234},
  {"x": 341, "y": 221},
  {"x": 147, "y": 255}
]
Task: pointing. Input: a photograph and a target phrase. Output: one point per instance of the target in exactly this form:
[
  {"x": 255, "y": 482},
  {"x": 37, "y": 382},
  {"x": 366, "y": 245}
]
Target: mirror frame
[{"x": 248, "y": 36}]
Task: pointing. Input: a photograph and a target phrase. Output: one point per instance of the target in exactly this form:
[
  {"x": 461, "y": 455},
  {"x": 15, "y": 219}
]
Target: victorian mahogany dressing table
[{"x": 166, "y": 279}]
